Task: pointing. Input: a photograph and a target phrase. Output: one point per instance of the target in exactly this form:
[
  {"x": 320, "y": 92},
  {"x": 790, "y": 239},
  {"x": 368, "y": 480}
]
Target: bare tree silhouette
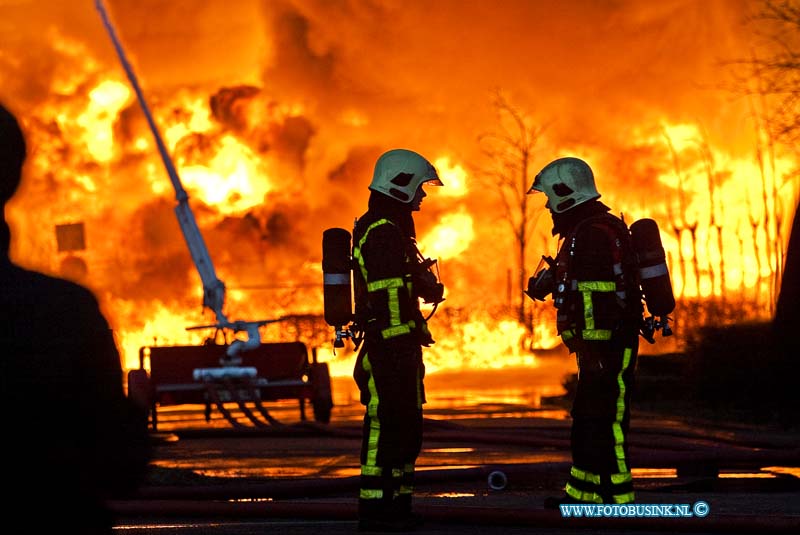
[
  {"x": 777, "y": 71},
  {"x": 677, "y": 220},
  {"x": 716, "y": 217},
  {"x": 508, "y": 150}
]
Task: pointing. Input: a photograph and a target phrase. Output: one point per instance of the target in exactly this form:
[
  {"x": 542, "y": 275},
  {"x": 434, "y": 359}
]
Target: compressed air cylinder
[
  {"x": 653, "y": 271},
  {"x": 336, "y": 272}
]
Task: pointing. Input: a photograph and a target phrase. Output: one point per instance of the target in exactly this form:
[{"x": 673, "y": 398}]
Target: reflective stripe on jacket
[
  {"x": 597, "y": 293},
  {"x": 383, "y": 287}
]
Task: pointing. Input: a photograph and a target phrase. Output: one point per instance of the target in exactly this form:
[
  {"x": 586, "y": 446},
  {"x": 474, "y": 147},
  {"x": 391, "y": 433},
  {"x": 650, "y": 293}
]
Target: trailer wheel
[{"x": 321, "y": 397}]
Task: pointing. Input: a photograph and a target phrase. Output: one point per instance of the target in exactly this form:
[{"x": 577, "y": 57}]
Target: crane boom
[{"x": 213, "y": 287}]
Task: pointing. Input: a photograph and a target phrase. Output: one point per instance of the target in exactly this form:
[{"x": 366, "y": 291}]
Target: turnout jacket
[
  {"x": 384, "y": 251},
  {"x": 597, "y": 293}
]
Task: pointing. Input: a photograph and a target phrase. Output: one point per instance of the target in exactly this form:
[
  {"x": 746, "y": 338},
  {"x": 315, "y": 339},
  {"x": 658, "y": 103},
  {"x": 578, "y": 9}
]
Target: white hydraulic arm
[{"x": 213, "y": 287}]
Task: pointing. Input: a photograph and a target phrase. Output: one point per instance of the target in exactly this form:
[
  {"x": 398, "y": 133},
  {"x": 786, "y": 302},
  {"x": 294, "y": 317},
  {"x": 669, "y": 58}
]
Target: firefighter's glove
[
  {"x": 425, "y": 338},
  {"x": 429, "y": 288},
  {"x": 541, "y": 285},
  {"x": 421, "y": 330}
]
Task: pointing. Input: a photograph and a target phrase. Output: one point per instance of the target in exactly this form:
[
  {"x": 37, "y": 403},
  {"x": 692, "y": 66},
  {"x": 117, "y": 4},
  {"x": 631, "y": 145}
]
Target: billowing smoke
[{"x": 275, "y": 112}]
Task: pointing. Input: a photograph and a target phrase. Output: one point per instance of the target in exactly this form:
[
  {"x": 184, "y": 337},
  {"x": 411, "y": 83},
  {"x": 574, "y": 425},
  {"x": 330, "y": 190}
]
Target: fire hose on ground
[
  {"x": 272, "y": 499},
  {"x": 667, "y": 446},
  {"x": 212, "y": 389}
]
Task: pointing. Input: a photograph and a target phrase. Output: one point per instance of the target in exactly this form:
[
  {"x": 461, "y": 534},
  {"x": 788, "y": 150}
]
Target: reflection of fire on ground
[{"x": 275, "y": 113}]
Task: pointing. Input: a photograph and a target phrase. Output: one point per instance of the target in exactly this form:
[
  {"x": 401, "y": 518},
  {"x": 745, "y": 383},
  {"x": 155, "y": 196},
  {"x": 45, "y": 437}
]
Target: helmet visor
[{"x": 536, "y": 187}]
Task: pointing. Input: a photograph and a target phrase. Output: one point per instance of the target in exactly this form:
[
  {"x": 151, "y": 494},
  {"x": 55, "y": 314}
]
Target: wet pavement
[{"x": 489, "y": 460}]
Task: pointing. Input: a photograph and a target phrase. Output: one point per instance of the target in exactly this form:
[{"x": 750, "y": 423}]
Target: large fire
[{"x": 274, "y": 113}]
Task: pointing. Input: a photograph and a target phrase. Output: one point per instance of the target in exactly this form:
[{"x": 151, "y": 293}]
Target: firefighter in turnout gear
[
  {"x": 389, "y": 278},
  {"x": 595, "y": 288}
]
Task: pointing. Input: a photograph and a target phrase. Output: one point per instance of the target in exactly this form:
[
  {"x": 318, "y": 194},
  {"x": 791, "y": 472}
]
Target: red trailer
[{"x": 270, "y": 372}]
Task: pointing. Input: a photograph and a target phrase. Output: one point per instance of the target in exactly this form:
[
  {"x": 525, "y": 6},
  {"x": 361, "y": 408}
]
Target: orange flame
[{"x": 274, "y": 121}]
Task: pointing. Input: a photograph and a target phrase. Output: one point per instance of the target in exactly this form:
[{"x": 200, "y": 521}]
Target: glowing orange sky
[
  {"x": 419, "y": 73},
  {"x": 314, "y": 90}
]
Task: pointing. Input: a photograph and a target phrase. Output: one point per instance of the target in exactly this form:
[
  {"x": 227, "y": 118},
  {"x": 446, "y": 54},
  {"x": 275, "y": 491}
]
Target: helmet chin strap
[
  {"x": 433, "y": 311},
  {"x": 416, "y": 202}
]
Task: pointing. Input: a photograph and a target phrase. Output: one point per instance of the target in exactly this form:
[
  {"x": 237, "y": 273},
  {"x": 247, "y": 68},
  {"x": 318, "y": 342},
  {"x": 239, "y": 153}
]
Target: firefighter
[
  {"x": 389, "y": 279},
  {"x": 595, "y": 289}
]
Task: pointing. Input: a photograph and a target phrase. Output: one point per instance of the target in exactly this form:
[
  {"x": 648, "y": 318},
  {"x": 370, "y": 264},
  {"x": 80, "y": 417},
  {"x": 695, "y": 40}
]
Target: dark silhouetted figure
[
  {"x": 73, "y": 440},
  {"x": 787, "y": 318}
]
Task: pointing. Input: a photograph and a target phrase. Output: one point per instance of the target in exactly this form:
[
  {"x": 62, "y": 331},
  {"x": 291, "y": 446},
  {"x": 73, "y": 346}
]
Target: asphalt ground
[{"x": 486, "y": 467}]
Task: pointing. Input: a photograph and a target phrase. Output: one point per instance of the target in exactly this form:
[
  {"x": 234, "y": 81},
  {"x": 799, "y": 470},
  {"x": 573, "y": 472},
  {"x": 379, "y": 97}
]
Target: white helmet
[
  {"x": 400, "y": 172},
  {"x": 567, "y": 182}
]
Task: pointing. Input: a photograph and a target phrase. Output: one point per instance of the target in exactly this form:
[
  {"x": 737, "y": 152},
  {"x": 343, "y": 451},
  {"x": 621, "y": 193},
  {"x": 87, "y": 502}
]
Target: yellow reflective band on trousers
[
  {"x": 583, "y": 475},
  {"x": 372, "y": 411},
  {"x": 397, "y": 474},
  {"x": 370, "y": 494},
  {"x": 583, "y": 496},
  {"x": 620, "y": 478},
  {"x": 408, "y": 472},
  {"x": 587, "y": 288},
  {"x": 628, "y": 497},
  {"x": 619, "y": 438},
  {"x": 371, "y": 470}
]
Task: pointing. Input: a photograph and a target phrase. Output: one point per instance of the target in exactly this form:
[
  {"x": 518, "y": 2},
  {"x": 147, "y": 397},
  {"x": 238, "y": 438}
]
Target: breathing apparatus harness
[
  {"x": 652, "y": 281},
  {"x": 337, "y": 268}
]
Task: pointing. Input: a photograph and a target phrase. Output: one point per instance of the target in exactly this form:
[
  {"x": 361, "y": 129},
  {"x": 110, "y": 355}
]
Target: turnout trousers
[
  {"x": 391, "y": 388},
  {"x": 600, "y": 470}
]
